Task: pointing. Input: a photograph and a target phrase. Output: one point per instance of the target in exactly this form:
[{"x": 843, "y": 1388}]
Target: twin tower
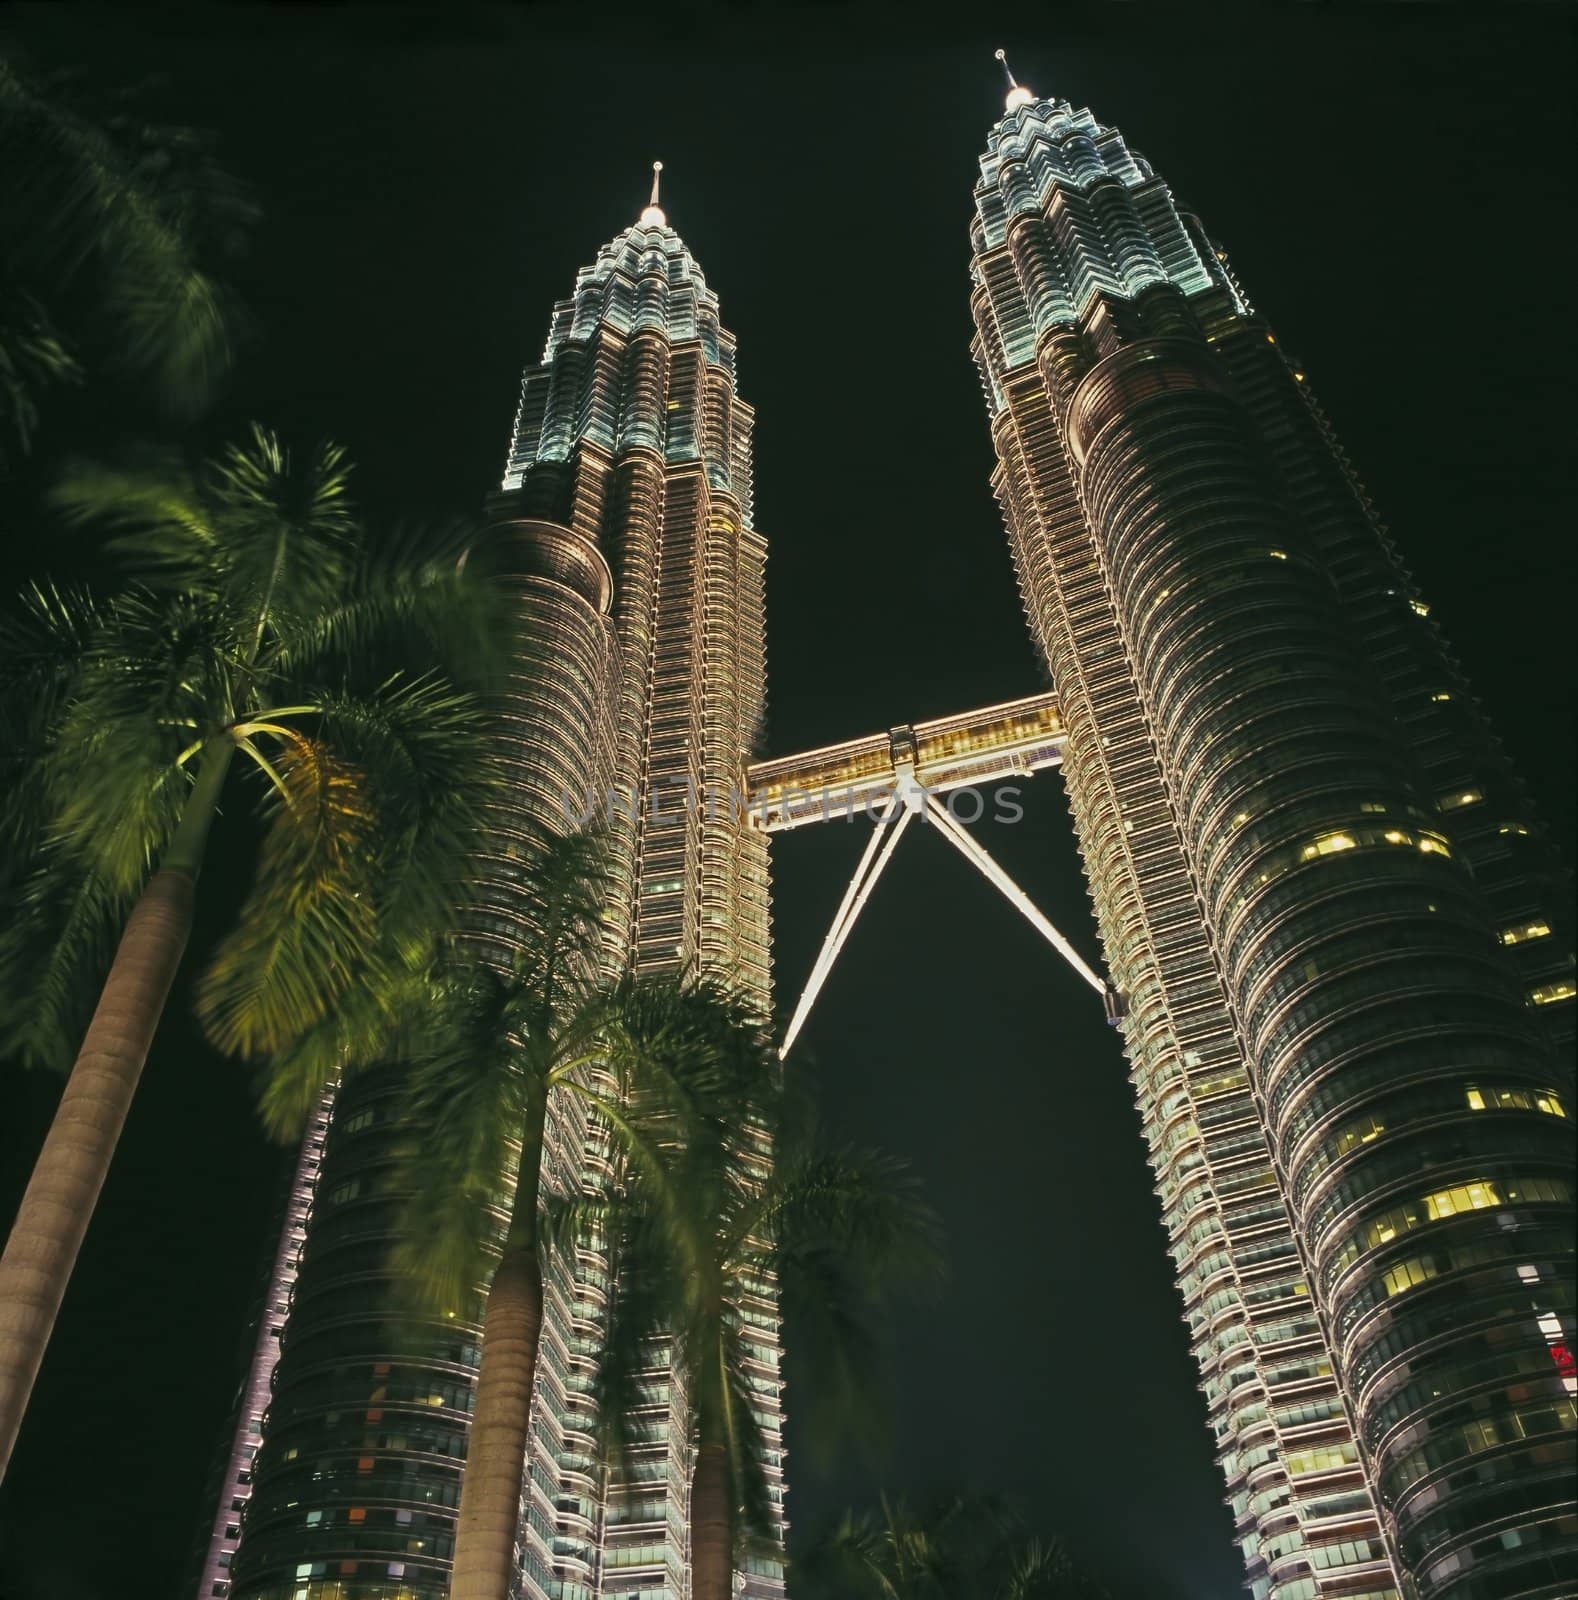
[{"x": 1343, "y": 946}]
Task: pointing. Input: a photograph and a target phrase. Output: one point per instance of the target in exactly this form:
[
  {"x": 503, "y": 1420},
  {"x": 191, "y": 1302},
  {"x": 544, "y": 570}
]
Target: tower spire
[
  {"x": 653, "y": 216},
  {"x": 1018, "y": 95}
]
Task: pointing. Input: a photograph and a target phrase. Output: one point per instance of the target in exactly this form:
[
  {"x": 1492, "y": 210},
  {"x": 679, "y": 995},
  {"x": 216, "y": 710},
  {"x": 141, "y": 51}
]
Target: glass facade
[
  {"x": 1343, "y": 939},
  {"x": 624, "y": 530}
]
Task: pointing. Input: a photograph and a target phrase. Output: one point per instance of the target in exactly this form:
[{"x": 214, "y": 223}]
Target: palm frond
[
  {"x": 140, "y": 697},
  {"x": 432, "y": 774},
  {"x": 309, "y": 926},
  {"x": 862, "y": 1209},
  {"x": 287, "y": 531},
  {"x": 76, "y": 205},
  {"x": 361, "y": 1030},
  {"x": 411, "y": 596},
  {"x": 44, "y": 639},
  {"x": 641, "y": 1273},
  {"x": 466, "y": 1108},
  {"x": 35, "y": 358},
  {"x": 695, "y": 1049},
  {"x": 1044, "y": 1569},
  {"x": 161, "y": 531},
  {"x": 56, "y": 943}
]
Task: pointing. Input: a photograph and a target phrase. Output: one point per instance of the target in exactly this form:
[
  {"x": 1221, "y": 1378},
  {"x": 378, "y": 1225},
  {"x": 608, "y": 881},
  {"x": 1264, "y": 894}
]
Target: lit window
[
  {"x": 1281, "y": 555},
  {"x": 1464, "y": 797},
  {"x": 1420, "y": 608},
  {"x": 1298, "y": 377},
  {"x": 1476, "y": 1101},
  {"x": 1513, "y": 828},
  {"x": 1271, "y": 338},
  {"x": 1525, "y": 931},
  {"x": 1549, "y": 1104},
  {"x": 1327, "y": 844},
  {"x": 1462, "y": 1197},
  {"x": 357, "y": 1514},
  {"x": 1549, "y": 993},
  {"x": 1431, "y": 845},
  {"x": 1440, "y": 697}
]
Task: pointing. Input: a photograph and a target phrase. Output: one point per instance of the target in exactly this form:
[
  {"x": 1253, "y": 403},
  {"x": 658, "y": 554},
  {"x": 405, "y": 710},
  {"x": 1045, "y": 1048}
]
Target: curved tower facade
[
  {"x": 1345, "y": 945},
  {"x": 624, "y": 531}
]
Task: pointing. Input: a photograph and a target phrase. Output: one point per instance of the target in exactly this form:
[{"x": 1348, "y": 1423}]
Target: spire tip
[
  {"x": 1018, "y": 95},
  {"x": 653, "y": 216}
]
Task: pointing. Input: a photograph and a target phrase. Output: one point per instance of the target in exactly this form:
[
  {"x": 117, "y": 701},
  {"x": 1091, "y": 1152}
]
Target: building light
[
  {"x": 1508, "y": 829},
  {"x": 1440, "y": 698},
  {"x": 1547, "y": 994},
  {"x": 1464, "y": 797},
  {"x": 1524, "y": 931},
  {"x": 1420, "y": 608},
  {"x": 1476, "y": 1101}
]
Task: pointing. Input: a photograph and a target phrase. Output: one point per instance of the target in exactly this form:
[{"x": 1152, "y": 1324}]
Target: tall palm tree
[
  {"x": 254, "y": 618},
  {"x": 501, "y": 1035},
  {"x": 107, "y": 224},
  {"x": 728, "y": 1224}
]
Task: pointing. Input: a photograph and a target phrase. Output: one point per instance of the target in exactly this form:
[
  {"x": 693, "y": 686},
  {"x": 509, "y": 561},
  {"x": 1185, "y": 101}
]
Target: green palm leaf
[{"x": 311, "y": 917}]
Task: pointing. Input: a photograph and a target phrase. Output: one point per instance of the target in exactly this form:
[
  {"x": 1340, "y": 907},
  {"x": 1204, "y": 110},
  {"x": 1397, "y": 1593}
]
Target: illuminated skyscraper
[
  {"x": 1345, "y": 947},
  {"x": 624, "y": 526}
]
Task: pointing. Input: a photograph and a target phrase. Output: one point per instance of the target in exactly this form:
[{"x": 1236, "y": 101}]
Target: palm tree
[
  {"x": 963, "y": 1548},
  {"x": 499, "y": 1038},
  {"x": 727, "y": 1226},
  {"x": 105, "y": 226},
  {"x": 255, "y": 618}
]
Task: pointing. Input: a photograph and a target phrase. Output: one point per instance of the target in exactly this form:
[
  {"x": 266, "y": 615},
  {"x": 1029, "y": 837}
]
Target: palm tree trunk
[
  {"x": 711, "y": 1524},
  {"x": 490, "y": 1491},
  {"x": 71, "y": 1167}
]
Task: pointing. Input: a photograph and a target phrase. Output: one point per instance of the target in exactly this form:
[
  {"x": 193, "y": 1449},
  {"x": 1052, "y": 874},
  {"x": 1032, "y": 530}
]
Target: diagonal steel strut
[
  {"x": 894, "y": 819},
  {"x": 975, "y": 852},
  {"x": 908, "y": 800}
]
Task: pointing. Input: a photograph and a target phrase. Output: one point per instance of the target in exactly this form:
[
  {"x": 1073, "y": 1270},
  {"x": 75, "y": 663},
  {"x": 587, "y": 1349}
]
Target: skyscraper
[
  {"x": 624, "y": 531},
  {"x": 1344, "y": 944}
]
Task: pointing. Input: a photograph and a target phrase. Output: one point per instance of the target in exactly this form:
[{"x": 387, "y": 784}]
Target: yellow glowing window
[
  {"x": 1420, "y": 608},
  {"x": 1408, "y": 1275},
  {"x": 1476, "y": 1101},
  {"x": 1271, "y": 338},
  {"x": 1525, "y": 931},
  {"x": 1298, "y": 377},
  {"x": 1327, "y": 844},
  {"x": 1513, "y": 828},
  {"x": 1463, "y": 1197},
  {"x": 1549, "y": 1104},
  {"x": 356, "y": 1514},
  {"x": 1441, "y": 698},
  {"x": 1464, "y": 797},
  {"x": 1432, "y": 846},
  {"x": 1397, "y": 836},
  {"x": 1549, "y": 993},
  {"x": 1281, "y": 555}
]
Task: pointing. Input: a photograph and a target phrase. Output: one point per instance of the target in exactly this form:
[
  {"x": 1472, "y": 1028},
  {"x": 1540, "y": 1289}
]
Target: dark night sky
[{"x": 1392, "y": 184}]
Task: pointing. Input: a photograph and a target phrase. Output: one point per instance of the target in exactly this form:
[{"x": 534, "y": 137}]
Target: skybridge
[{"x": 893, "y": 778}]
